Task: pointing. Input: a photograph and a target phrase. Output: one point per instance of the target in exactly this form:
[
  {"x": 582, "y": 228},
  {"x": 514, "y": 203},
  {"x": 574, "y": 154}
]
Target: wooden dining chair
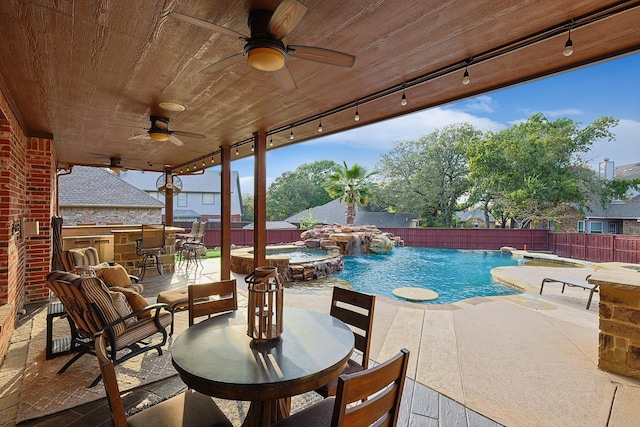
[
  {"x": 212, "y": 298},
  {"x": 365, "y": 398},
  {"x": 186, "y": 409},
  {"x": 356, "y": 310}
]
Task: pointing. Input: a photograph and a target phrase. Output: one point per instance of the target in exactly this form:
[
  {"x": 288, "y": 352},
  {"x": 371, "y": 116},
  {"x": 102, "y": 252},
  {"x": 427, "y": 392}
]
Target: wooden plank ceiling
[{"x": 91, "y": 73}]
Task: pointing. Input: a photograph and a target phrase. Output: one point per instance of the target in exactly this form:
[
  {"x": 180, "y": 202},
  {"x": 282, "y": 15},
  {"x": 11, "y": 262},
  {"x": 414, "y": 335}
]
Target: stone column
[{"x": 619, "y": 346}]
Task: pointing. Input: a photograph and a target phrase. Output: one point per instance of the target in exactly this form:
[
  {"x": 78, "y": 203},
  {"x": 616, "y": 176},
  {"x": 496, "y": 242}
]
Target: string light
[
  {"x": 212, "y": 160},
  {"x": 270, "y": 140},
  {"x": 181, "y": 170},
  {"x": 356, "y": 117},
  {"x": 253, "y": 148},
  {"x": 465, "y": 76},
  {"x": 202, "y": 162},
  {"x": 568, "y": 46},
  {"x": 237, "y": 152},
  {"x": 187, "y": 168},
  {"x": 320, "y": 125},
  {"x": 291, "y": 133},
  {"x": 403, "y": 101}
]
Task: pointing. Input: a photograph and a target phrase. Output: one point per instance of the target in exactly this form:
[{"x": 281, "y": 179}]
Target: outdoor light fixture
[
  {"x": 291, "y": 133},
  {"x": 253, "y": 148},
  {"x": 212, "y": 160},
  {"x": 270, "y": 57},
  {"x": 320, "y": 125},
  {"x": 568, "y": 46},
  {"x": 465, "y": 76},
  {"x": 403, "y": 101},
  {"x": 159, "y": 136},
  {"x": 187, "y": 168},
  {"x": 270, "y": 140},
  {"x": 237, "y": 152},
  {"x": 356, "y": 117}
]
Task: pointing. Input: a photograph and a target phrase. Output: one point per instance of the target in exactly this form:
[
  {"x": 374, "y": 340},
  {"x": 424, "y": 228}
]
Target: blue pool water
[{"x": 454, "y": 274}]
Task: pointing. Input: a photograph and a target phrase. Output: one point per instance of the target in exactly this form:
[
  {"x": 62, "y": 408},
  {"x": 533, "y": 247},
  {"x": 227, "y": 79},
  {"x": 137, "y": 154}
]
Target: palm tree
[{"x": 352, "y": 185}]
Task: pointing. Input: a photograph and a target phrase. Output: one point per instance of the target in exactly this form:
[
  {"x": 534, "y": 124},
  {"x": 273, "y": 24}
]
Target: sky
[{"x": 610, "y": 88}]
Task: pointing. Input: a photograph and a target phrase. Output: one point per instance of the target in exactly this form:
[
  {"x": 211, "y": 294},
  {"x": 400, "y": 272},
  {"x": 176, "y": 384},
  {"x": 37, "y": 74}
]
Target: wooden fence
[{"x": 589, "y": 247}]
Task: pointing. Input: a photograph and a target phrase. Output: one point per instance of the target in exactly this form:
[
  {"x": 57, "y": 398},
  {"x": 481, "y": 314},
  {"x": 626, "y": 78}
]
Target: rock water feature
[
  {"x": 331, "y": 241},
  {"x": 351, "y": 239}
]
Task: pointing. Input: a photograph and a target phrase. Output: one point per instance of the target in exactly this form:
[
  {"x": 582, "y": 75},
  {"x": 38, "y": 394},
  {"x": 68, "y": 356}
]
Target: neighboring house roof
[
  {"x": 185, "y": 213},
  {"x": 90, "y": 186},
  {"x": 208, "y": 182},
  {"x": 274, "y": 225},
  {"x": 466, "y": 215},
  {"x": 629, "y": 171},
  {"x": 615, "y": 210},
  {"x": 334, "y": 213}
]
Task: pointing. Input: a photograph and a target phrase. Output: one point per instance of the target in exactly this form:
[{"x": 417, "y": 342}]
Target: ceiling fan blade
[
  {"x": 286, "y": 17},
  {"x": 141, "y": 136},
  {"x": 285, "y": 79},
  {"x": 223, "y": 63},
  {"x": 324, "y": 56},
  {"x": 176, "y": 140},
  {"x": 188, "y": 134},
  {"x": 207, "y": 25}
]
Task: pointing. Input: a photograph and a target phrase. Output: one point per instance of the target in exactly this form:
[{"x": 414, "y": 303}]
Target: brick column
[{"x": 619, "y": 346}]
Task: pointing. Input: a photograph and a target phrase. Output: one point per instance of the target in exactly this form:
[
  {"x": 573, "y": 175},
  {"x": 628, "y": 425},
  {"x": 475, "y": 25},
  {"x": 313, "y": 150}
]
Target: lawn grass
[{"x": 211, "y": 253}]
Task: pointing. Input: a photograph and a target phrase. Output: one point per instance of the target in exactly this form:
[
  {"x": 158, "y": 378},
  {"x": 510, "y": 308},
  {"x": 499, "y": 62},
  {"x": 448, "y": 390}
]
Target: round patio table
[{"x": 216, "y": 357}]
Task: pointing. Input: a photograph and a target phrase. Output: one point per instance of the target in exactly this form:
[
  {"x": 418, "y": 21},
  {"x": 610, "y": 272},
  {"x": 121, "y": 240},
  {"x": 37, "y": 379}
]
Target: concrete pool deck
[{"x": 520, "y": 360}]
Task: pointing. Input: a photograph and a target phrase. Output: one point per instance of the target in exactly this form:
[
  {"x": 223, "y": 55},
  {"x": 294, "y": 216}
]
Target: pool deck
[{"x": 519, "y": 360}]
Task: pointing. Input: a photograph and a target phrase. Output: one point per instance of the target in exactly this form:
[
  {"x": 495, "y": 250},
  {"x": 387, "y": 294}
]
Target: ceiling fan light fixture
[
  {"x": 159, "y": 136},
  {"x": 266, "y": 58},
  {"x": 171, "y": 106}
]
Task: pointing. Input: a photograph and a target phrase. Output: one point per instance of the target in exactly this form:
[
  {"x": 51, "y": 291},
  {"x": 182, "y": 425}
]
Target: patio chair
[
  {"x": 150, "y": 246},
  {"x": 88, "y": 259},
  {"x": 186, "y": 409},
  {"x": 212, "y": 298},
  {"x": 356, "y": 310},
  {"x": 366, "y": 398},
  {"x": 94, "y": 308},
  {"x": 190, "y": 248},
  {"x": 573, "y": 284}
]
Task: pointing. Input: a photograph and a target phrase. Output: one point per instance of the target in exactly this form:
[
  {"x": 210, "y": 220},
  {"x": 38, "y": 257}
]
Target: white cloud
[
  {"x": 564, "y": 112},
  {"x": 482, "y": 104}
]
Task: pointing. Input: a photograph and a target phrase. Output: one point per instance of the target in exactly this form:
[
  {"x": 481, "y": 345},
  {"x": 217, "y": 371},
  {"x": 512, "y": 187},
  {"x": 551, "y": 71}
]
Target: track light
[
  {"x": 320, "y": 125},
  {"x": 291, "y": 133},
  {"x": 356, "y": 117},
  {"x": 403, "y": 101},
  {"x": 270, "y": 140},
  {"x": 568, "y": 46}
]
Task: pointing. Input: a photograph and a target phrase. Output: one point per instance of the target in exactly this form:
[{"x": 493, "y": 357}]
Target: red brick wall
[{"x": 27, "y": 192}]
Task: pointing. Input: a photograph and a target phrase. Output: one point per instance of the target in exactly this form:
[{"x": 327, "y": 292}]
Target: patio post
[
  {"x": 260, "y": 200},
  {"x": 225, "y": 213}
]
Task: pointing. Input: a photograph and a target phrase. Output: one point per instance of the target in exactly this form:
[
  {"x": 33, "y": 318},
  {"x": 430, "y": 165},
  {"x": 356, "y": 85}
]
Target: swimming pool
[{"x": 454, "y": 274}]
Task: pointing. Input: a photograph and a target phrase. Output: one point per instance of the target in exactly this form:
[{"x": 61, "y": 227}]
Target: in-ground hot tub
[{"x": 294, "y": 262}]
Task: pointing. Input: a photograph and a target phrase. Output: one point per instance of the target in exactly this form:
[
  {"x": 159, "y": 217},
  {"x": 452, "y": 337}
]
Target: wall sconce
[{"x": 31, "y": 228}]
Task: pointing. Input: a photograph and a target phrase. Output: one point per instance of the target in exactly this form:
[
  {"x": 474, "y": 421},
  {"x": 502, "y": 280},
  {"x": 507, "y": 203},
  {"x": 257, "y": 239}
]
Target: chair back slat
[
  {"x": 212, "y": 298},
  {"x": 382, "y": 388},
  {"x": 356, "y": 309}
]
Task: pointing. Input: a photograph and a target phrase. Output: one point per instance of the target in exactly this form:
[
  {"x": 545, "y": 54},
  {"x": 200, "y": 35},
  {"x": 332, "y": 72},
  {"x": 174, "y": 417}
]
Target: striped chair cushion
[
  {"x": 76, "y": 257},
  {"x": 142, "y": 329}
]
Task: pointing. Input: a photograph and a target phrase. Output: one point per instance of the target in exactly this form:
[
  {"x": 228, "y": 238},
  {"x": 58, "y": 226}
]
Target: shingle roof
[
  {"x": 615, "y": 210},
  {"x": 629, "y": 171},
  {"x": 89, "y": 186},
  {"x": 334, "y": 213},
  {"x": 274, "y": 225}
]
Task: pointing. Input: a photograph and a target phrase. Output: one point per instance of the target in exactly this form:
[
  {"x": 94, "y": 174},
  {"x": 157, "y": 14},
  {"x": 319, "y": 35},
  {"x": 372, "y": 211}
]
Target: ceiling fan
[
  {"x": 159, "y": 131},
  {"x": 265, "y": 50}
]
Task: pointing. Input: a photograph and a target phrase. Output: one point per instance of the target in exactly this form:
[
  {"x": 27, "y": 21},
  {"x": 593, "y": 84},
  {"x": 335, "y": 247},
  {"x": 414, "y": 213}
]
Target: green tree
[
  {"x": 247, "y": 207},
  {"x": 352, "y": 185},
  {"x": 428, "y": 176},
  {"x": 298, "y": 190},
  {"x": 535, "y": 169}
]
